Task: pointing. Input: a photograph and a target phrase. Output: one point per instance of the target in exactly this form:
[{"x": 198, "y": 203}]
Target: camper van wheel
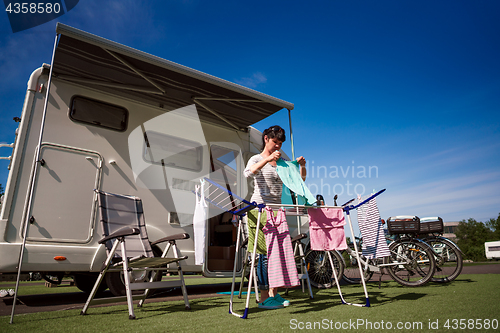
[
  {"x": 85, "y": 282},
  {"x": 114, "y": 280}
]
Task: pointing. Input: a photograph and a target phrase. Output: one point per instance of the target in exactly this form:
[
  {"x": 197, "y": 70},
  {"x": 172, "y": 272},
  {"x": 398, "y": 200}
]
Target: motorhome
[
  {"x": 106, "y": 116},
  {"x": 492, "y": 250}
]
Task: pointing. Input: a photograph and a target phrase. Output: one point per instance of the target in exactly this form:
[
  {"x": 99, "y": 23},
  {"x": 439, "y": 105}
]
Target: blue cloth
[
  {"x": 290, "y": 176},
  {"x": 262, "y": 272},
  {"x": 286, "y": 197}
]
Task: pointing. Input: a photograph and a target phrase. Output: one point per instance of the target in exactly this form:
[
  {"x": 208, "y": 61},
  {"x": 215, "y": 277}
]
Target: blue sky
[{"x": 409, "y": 90}]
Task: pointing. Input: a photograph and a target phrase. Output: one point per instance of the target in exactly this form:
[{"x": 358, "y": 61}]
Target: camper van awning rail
[{"x": 124, "y": 71}]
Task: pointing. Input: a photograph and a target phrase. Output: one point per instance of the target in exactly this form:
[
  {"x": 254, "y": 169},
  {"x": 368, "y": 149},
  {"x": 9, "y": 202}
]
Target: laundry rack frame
[{"x": 235, "y": 201}]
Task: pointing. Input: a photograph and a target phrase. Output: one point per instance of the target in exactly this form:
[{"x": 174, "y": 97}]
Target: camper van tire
[{"x": 85, "y": 282}]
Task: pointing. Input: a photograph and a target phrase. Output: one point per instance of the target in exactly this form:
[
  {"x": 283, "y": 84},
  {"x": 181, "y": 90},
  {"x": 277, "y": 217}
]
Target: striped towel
[{"x": 370, "y": 225}]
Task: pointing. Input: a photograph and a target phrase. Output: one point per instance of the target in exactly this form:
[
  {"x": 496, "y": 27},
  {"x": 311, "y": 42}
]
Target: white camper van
[
  {"x": 492, "y": 250},
  {"x": 122, "y": 121}
]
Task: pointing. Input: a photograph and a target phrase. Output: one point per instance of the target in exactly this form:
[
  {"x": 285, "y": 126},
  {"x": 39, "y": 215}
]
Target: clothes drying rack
[
  {"x": 227, "y": 201},
  {"x": 347, "y": 209}
]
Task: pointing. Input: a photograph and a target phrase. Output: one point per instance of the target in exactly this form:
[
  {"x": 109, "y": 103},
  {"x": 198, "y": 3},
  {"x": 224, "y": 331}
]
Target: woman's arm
[
  {"x": 303, "y": 171},
  {"x": 259, "y": 165}
]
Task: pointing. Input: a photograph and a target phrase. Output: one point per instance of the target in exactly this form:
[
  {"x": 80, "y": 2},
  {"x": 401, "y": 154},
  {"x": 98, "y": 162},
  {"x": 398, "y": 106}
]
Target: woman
[{"x": 267, "y": 189}]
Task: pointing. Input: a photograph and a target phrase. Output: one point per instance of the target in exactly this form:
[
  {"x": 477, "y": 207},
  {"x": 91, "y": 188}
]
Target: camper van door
[{"x": 55, "y": 217}]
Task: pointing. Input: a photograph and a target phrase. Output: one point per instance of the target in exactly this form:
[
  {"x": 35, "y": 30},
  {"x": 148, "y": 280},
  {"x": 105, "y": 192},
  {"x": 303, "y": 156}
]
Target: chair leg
[
  {"x": 183, "y": 287},
  {"x": 94, "y": 291},
  {"x": 100, "y": 277},
  {"x": 304, "y": 280},
  {"x": 126, "y": 277},
  {"x": 173, "y": 245},
  {"x": 304, "y": 270},
  {"x": 181, "y": 277},
  {"x": 147, "y": 291}
]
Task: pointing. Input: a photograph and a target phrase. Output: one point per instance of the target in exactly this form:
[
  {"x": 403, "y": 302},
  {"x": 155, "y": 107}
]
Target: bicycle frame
[
  {"x": 378, "y": 267},
  {"x": 438, "y": 236}
]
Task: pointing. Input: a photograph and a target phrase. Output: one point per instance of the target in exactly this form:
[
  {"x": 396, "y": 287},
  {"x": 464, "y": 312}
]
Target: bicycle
[
  {"x": 351, "y": 269},
  {"x": 320, "y": 270},
  {"x": 411, "y": 262},
  {"x": 449, "y": 261}
]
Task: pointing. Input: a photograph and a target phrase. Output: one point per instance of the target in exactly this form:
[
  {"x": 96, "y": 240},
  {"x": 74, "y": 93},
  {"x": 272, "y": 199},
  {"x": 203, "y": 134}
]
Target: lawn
[
  {"x": 38, "y": 288},
  {"x": 470, "y": 302}
]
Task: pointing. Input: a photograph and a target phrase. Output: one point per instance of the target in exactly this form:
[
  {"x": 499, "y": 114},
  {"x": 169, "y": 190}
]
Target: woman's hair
[{"x": 273, "y": 132}]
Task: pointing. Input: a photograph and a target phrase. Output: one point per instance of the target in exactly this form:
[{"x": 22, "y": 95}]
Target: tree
[
  {"x": 494, "y": 226},
  {"x": 471, "y": 236}
]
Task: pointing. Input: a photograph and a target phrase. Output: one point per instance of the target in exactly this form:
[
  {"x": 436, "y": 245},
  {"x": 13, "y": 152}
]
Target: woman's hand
[
  {"x": 303, "y": 171},
  {"x": 274, "y": 156},
  {"x": 301, "y": 160}
]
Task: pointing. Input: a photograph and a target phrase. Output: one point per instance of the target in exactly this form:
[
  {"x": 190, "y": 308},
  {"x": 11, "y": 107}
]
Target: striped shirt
[{"x": 267, "y": 184}]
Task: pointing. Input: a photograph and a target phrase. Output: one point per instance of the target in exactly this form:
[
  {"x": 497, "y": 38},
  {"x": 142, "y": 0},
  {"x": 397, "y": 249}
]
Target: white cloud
[
  {"x": 449, "y": 198},
  {"x": 252, "y": 81}
]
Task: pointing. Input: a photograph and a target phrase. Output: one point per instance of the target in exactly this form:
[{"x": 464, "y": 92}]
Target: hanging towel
[
  {"x": 200, "y": 223},
  {"x": 252, "y": 226},
  {"x": 281, "y": 268},
  {"x": 290, "y": 176},
  {"x": 370, "y": 225},
  {"x": 326, "y": 229}
]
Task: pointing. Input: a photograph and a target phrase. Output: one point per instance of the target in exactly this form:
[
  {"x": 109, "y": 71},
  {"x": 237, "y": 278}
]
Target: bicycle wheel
[
  {"x": 351, "y": 269},
  {"x": 320, "y": 270},
  {"x": 448, "y": 259},
  {"x": 411, "y": 262}
]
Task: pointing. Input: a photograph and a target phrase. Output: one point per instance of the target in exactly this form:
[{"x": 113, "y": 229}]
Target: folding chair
[
  {"x": 123, "y": 225},
  {"x": 300, "y": 259}
]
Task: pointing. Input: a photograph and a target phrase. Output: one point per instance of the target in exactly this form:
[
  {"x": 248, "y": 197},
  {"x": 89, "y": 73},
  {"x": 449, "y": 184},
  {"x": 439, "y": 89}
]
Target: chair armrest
[
  {"x": 127, "y": 231},
  {"x": 299, "y": 237},
  {"x": 172, "y": 238}
]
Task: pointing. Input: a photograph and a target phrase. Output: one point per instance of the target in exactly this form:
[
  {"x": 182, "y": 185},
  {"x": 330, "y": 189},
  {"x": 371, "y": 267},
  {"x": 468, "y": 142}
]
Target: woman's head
[{"x": 274, "y": 134}]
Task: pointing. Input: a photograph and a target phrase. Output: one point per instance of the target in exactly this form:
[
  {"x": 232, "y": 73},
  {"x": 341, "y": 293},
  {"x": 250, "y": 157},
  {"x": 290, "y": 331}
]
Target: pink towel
[
  {"x": 326, "y": 229},
  {"x": 282, "y": 270}
]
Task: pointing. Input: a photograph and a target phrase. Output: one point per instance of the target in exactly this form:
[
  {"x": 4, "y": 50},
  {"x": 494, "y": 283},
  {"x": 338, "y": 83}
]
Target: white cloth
[{"x": 200, "y": 224}]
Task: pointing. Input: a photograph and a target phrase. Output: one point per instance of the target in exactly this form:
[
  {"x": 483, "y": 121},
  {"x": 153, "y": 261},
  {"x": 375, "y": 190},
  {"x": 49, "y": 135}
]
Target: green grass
[
  {"x": 39, "y": 288},
  {"x": 473, "y": 296}
]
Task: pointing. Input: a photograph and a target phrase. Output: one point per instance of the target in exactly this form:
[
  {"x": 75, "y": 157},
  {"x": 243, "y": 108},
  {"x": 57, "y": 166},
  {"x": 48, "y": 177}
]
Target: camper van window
[
  {"x": 98, "y": 113},
  {"x": 180, "y": 218},
  {"x": 172, "y": 151},
  {"x": 224, "y": 167}
]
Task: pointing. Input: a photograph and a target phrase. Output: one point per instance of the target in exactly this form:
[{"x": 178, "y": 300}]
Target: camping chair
[
  {"x": 300, "y": 259},
  {"x": 123, "y": 226}
]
